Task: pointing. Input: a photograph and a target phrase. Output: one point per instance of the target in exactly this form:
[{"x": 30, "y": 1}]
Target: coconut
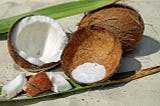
[
  {"x": 38, "y": 83},
  {"x": 36, "y": 42},
  {"x": 122, "y": 20},
  {"x": 92, "y": 55},
  {"x": 59, "y": 82},
  {"x": 14, "y": 87}
]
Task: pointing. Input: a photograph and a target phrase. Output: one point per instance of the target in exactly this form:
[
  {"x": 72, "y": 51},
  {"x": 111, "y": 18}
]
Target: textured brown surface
[
  {"x": 37, "y": 84},
  {"x": 92, "y": 45},
  {"x": 21, "y": 61},
  {"x": 141, "y": 92},
  {"x": 31, "y": 90},
  {"x": 122, "y": 20}
]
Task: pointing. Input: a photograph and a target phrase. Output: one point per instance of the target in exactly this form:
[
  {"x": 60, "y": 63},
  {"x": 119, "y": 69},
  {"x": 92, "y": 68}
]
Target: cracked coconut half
[
  {"x": 36, "y": 42},
  {"x": 92, "y": 55}
]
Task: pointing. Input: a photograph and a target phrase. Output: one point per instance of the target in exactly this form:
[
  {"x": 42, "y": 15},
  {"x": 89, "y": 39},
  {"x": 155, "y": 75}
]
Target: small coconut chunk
[
  {"x": 89, "y": 73},
  {"x": 59, "y": 82},
  {"x": 23, "y": 54},
  {"x": 35, "y": 61},
  {"x": 15, "y": 86},
  {"x": 37, "y": 84},
  {"x": 50, "y": 75}
]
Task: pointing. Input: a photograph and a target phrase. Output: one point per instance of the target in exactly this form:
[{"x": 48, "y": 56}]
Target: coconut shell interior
[
  {"x": 25, "y": 64},
  {"x": 21, "y": 61},
  {"x": 122, "y": 20},
  {"x": 95, "y": 45}
]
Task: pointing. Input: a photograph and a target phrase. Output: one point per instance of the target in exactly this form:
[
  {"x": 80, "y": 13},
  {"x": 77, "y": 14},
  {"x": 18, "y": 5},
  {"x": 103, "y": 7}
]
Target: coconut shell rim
[
  {"x": 12, "y": 51},
  {"x": 112, "y": 51}
]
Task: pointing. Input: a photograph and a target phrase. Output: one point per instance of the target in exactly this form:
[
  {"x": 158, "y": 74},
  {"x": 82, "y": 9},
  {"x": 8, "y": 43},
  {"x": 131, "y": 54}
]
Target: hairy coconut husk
[
  {"x": 122, "y": 20},
  {"x": 92, "y": 44}
]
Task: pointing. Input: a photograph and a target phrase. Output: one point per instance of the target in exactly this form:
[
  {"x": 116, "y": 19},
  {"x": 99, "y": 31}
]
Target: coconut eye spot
[
  {"x": 89, "y": 73},
  {"x": 39, "y": 37}
]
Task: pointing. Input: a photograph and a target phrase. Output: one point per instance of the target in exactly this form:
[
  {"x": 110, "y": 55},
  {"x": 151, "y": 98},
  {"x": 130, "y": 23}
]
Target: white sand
[{"x": 141, "y": 92}]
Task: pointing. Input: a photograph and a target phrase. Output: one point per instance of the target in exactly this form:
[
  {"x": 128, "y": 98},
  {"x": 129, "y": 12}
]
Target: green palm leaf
[
  {"x": 58, "y": 11},
  {"x": 116, "y": 79}
]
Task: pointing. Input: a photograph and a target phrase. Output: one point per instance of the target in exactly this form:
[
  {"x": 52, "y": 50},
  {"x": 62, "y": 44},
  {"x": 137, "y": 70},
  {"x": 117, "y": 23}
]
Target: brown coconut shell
[
  {"x": 122, "y": 20},
  {"x": 21, "y": 61},
  {"x": 37, "y": 84},
  {"x": 93, "y": 45}
]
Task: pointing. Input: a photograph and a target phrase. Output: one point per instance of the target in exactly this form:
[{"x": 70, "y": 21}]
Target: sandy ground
[{"x": 141, "y": 92}]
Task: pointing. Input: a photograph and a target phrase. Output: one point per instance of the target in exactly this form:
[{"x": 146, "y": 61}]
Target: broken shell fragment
[
  {"x": 91, "y": 55},
  {"x": 37, "y": 84},
  {"x": 15, "y": 86},
  {"x": 36, "y": 42}
]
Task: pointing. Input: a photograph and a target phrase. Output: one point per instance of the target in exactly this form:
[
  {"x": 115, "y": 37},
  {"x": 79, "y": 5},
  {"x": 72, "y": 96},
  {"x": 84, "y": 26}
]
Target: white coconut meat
[
  {"x": 59, "y": 82},
  {"x": 15, "y": 86},
  {"x": 39, "y": 39},
  {"x": 50, "y": 75},
  {"x": 89, "y": 73}
]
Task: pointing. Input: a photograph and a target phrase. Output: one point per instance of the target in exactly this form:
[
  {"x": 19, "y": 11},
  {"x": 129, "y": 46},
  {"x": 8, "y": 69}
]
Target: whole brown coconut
[
  {"x": 122, "y": 20},
  {"x": 91, "y": 46}
]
